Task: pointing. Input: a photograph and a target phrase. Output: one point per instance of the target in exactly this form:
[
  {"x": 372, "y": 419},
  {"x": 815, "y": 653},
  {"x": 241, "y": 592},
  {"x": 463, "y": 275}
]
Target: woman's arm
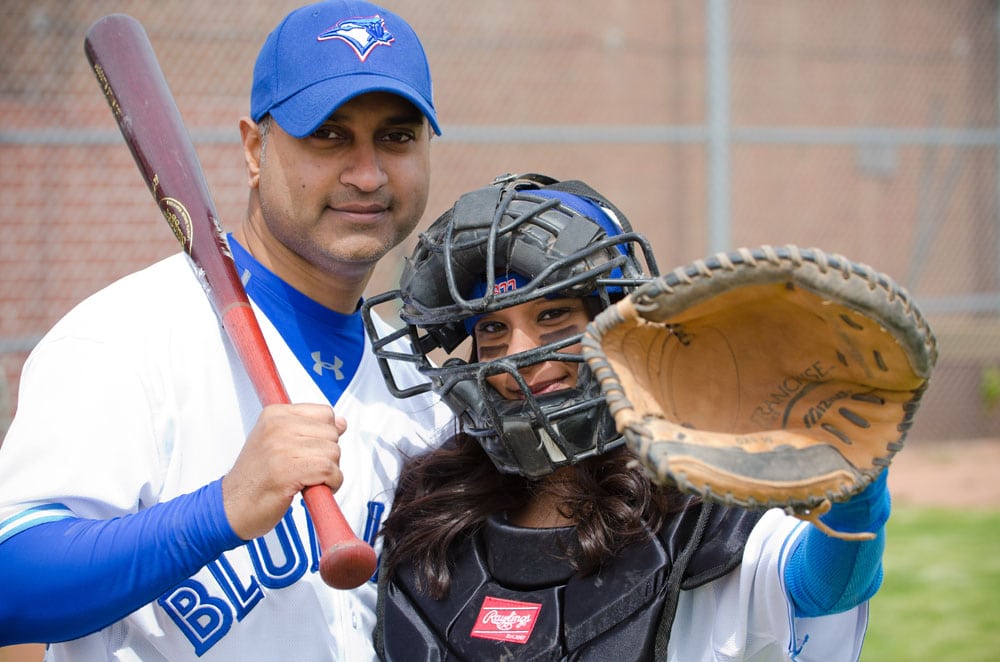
[{"x": 826, "y": 575}]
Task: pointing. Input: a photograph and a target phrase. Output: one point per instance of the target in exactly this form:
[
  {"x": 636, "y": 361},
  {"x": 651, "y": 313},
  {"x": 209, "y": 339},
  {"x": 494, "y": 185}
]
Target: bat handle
[{"x": 346, "y": 561}]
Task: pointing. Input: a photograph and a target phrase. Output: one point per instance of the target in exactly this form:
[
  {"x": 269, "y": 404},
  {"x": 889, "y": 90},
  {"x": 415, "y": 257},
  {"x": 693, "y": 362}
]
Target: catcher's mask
[{"x": 520, "y": 239}]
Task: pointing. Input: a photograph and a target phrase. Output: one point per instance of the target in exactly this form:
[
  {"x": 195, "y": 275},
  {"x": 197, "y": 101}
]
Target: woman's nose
[{"x": 521, "y": 341}]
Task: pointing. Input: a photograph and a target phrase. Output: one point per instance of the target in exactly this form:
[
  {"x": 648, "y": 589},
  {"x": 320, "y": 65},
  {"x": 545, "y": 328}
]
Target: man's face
[{"x": 338, "y": 200}]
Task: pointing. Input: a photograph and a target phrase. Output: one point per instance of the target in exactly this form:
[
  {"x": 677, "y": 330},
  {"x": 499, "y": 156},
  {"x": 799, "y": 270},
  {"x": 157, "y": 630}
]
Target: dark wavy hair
[{"x": 445, "y": 496}]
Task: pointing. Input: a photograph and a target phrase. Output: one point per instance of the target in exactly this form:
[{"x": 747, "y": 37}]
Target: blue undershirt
[
  {"x": 328, "y": 344},
  {"x": 65, "y": 579}
]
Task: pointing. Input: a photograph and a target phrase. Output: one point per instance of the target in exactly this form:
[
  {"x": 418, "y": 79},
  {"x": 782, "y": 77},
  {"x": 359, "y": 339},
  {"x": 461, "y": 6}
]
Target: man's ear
[{"x": 253, "y": 144}]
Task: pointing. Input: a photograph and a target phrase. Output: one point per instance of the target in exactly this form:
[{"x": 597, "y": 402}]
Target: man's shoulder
[
  {"x": 169, "y": 279},
  {"x": 163, "y": 293}
]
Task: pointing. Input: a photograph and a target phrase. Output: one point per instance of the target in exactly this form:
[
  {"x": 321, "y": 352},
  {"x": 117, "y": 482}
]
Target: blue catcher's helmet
[{"x": 519, "y": 239}]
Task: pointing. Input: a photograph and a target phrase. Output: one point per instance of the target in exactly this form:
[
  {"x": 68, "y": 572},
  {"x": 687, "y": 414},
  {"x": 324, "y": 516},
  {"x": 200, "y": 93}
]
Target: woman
[{"x": 532, "y": 534}]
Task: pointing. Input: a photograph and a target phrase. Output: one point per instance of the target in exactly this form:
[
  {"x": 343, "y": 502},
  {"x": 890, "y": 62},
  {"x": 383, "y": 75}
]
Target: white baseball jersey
[
  {"x": 134, "y": 398},
  {"x": 745, "y": 616}
]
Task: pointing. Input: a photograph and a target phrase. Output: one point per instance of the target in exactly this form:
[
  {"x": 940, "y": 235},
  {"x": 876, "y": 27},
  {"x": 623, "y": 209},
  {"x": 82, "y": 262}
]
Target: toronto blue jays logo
[{"x": 361, "y": 34}]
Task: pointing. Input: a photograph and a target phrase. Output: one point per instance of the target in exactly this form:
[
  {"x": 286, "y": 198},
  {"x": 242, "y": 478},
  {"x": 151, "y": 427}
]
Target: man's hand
[{"x": 290, "y": 448}]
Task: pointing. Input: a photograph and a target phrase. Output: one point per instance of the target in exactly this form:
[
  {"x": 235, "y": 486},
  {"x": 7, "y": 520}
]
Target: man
[{"x": 149, "y": 508}]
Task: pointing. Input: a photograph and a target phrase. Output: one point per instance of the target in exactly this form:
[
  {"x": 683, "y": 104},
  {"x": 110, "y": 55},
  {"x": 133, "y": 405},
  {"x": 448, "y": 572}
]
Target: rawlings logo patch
[
  {"x": 506, "y": 620},
  {"x": 361, "y": 34}
]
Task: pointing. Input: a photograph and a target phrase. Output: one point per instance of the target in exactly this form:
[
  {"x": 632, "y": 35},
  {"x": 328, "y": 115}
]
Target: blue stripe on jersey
[
  {"x": 328, "y": 344},
  {"x": 28, "y": 518}
]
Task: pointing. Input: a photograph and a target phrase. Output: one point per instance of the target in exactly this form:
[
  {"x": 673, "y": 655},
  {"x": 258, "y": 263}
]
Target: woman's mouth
[{"x": 547, "y": 387}]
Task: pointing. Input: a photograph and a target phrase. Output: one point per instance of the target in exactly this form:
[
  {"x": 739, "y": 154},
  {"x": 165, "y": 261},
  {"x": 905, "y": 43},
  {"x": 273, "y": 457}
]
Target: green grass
[{"x": 940, "y": 598}]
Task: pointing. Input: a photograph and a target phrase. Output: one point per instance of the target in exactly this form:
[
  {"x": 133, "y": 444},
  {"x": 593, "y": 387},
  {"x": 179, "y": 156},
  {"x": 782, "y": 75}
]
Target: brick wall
[{"x": 862, "y": 127}]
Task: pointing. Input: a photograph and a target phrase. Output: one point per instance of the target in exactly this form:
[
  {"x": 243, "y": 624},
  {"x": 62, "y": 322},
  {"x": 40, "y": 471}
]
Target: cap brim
[{"x": 305, "y": 111}]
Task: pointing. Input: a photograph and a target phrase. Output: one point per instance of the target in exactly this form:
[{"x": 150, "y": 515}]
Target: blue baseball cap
[{"x": 327, "y": 53}]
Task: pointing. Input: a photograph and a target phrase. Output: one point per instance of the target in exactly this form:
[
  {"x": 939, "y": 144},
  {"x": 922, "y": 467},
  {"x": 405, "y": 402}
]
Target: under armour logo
[
  {"x": 361, "y": 34},
  {"x": 320, "y": 365}
]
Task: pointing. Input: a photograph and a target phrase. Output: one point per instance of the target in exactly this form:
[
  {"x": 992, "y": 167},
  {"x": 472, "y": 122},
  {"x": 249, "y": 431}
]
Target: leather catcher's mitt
[{"x": 771, "y": 377}]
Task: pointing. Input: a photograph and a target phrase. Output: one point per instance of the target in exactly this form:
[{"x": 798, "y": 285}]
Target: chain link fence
[{"x": 862, "y": 127}]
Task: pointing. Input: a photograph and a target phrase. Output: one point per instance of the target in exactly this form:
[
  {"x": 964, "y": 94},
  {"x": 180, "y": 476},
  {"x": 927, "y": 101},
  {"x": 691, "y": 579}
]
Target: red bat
[{"x": 133, "y": 83}]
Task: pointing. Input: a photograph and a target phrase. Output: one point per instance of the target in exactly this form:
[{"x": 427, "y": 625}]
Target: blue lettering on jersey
[
  {"x": 279, "y": 560},
  {"x": 204, "y": 620},
  {"x": 279, "y": 570},
  {"x": 316, "y": 552},
  {"x": 243, "y": 597},
  {"x": 372, "y": 525}
]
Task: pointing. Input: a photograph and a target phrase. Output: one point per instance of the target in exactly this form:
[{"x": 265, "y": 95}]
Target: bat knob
[{"x": 348, "y": 564}]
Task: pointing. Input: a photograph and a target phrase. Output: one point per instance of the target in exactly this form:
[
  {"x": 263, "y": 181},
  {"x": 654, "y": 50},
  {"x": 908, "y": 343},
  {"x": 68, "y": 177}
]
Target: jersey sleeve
[
  {"x": 83, "y": 436},
  {"x": 747, "y": 613}
]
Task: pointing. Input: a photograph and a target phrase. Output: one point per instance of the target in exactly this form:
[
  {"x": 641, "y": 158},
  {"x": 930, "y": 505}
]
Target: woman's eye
[
  {"x": 553, "y": 314},
  {"x": 489, "y": 327}
]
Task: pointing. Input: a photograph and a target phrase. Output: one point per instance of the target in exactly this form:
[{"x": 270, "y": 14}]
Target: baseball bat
[{"x": 133, "y": 83}]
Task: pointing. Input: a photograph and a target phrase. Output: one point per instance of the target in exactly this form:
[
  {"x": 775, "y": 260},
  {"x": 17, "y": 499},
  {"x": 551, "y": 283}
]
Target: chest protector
[{"x": 515, "y": 596}]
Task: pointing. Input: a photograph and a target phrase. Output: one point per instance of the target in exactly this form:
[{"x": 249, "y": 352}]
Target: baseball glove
[{"x": 767, "y": 377}]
